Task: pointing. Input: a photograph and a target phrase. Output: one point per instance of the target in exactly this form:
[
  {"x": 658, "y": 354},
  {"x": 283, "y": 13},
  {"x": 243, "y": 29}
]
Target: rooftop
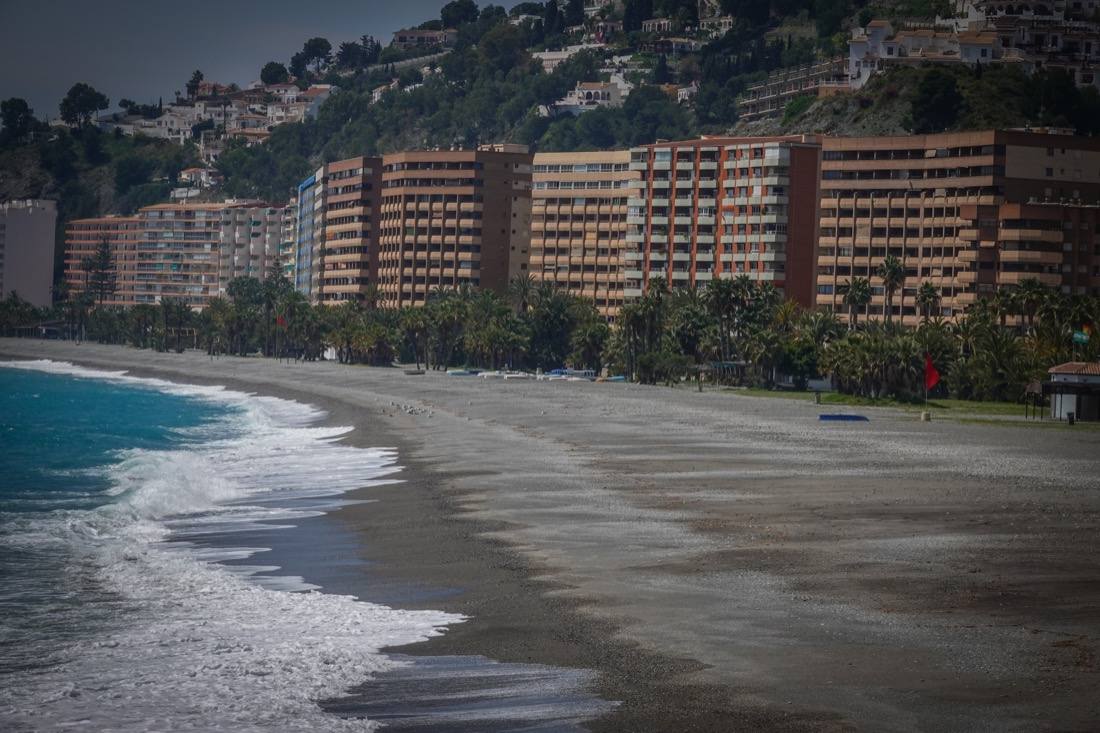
[{"x": 1082, "y": 368}]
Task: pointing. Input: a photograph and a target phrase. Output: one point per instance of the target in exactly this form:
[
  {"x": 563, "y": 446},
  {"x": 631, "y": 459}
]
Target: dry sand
[{"x": 725, "y": 562}]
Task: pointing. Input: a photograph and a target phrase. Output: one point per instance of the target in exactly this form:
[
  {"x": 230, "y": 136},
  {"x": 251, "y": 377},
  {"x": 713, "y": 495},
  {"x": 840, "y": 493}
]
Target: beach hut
[{"x": 1074, "y": 389}]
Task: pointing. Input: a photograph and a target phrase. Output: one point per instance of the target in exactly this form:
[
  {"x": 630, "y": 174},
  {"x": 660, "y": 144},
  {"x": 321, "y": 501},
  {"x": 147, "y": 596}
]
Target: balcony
[
  {"x": 1032, "y": 256},
  {"x": 1013, "y": 278},
  {"x": 1031, "y": 235}
]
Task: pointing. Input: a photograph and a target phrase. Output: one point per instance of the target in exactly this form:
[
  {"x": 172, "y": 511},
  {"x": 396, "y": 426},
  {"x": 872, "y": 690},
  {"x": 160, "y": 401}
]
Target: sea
[{"x": 119, "y": 612}]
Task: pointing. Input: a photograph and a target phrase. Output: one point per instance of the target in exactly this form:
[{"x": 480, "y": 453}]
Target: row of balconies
[
  {"x": 864, "y": 241},
  {"x": 764, "y": 237},
  {"x": 938, "y": 222}
]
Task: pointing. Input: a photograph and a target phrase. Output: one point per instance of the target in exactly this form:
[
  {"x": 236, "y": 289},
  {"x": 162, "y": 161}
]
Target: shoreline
[
  {"x": 402, "y": 536},
  {"x": 724, "y": 565}
]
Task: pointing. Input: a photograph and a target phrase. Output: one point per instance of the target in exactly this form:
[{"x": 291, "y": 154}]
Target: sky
[{"x": 145, "y": 50}]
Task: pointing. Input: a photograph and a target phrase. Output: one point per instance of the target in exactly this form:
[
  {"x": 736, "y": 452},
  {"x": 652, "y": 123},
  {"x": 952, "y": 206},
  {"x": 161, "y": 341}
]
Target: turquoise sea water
[
  {"x": 134, "y": 597},
  {"x": 56, "y": 431},
  {"x": 116, "y": 612}
]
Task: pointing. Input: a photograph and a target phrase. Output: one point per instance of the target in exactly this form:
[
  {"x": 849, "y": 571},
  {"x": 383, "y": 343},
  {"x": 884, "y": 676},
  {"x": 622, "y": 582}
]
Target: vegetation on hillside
[
  {"x": 489, "y": 89},
  {"x": 938, "y": 98},
  {"x": 88, "y": 172}
]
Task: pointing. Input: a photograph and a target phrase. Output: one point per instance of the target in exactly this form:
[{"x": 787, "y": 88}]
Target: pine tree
[{"x": 102, "y": 279}]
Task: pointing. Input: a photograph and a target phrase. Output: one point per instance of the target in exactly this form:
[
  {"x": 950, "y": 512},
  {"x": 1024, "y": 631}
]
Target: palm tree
[
  {"x": 720, "y": 298},
  {"x": 521, "y": 289},
  {"x": 857, "y": 295},
  {"x": 818, "y": 326},
  {"x": 414, "y": 323},
  {"x": 892, "y": 274},
  {"x": 1031, "y": 294},
  {"x": 928, "y": 299}
]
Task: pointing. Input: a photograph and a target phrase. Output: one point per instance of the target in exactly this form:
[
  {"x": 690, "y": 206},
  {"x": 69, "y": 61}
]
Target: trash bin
[
  {"x": 1071, "y": 417},
  {"x": 817, "y": 398}
]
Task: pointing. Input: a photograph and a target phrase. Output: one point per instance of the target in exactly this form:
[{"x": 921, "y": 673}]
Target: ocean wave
[{"x": 193, "y": 644}]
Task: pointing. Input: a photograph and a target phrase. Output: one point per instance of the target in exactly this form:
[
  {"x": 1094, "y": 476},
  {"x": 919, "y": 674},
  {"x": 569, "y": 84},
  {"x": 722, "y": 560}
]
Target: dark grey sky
[{"x": 144, "y": 50}]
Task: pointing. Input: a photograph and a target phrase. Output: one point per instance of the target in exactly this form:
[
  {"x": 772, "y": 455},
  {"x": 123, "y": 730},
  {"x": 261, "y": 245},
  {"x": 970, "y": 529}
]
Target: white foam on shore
[{"x": 192, "y": 644}]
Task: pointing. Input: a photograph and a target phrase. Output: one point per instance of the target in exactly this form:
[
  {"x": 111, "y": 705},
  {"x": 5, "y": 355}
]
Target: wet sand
[{"x": 723, "y": 562}]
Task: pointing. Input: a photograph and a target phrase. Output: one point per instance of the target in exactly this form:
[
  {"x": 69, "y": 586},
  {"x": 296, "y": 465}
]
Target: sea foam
[{"x": 193, "y": 644}]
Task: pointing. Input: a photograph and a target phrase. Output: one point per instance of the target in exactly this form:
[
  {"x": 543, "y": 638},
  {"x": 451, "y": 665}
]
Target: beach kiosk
[{"x": 1074, "y": 389}]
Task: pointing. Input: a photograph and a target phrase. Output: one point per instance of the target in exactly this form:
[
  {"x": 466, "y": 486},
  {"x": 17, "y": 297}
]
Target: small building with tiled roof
[{"x": 1074, "y": 389}]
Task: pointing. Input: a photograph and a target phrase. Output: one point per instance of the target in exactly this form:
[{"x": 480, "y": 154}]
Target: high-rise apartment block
[
  {"x": 723, "y": 207},
  {"x": 336, "y": 253},
  {"x": 84, "y": 236},
  {"x": 578, "y": 223},
  {"x": 27, "y": 231},
  {"x": 189, "y": 252},
  {"x": 451, "y": 218},
  {"x": 967, "y": 212}
]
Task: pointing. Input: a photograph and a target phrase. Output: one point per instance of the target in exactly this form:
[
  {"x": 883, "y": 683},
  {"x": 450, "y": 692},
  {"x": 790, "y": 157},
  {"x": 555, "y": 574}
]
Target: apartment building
[
  {"x": 968, "y": 212},
  {"x": 337, "y": 246},
  {"x": 84, "y": 236},
  {"x": 1031, "y": 36},
  {"x": 578, "y": 223},
  {"x": 723, "y": 207},
  {"x": 289, "y": 243},
  {"x": 409, "y": 38},
  {"x": 184, "y": 251},
  {"x": 451, "y": 218},
  {"x": 770, "y": 97},
  {"x": 26, "y": 249}
]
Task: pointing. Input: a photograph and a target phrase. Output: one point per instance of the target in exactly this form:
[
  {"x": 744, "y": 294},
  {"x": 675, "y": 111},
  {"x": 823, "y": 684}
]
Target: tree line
[
  {"x": 533, "y": 325},
  {"x": 733, "y": 331}
]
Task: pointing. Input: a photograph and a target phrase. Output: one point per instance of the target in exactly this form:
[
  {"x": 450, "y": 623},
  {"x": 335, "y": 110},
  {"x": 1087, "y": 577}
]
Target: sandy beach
[{"x": 722, "y": 562}]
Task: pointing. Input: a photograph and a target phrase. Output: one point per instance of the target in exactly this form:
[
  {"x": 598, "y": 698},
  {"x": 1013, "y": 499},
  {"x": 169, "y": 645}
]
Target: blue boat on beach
[{"x": 842, "y": 417}]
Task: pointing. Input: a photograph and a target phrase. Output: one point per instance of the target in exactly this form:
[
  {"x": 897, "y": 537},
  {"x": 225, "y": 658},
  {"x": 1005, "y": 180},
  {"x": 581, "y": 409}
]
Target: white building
[
  {"x": 1040, "y": 35},
  {"x": 588, "y": 95},
  {"x": 1074, "y": 388},
  {"x": 551, "y": 59},
  {"x": 250, "y": 241}
]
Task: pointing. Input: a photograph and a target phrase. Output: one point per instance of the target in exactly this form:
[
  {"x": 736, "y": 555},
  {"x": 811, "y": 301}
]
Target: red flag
[
  {"x": 280, "y": 321},
  {"x": 931, "y": 375}
]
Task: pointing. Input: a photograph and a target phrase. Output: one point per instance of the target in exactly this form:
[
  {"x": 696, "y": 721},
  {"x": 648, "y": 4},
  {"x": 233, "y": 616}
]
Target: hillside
[
  {"x": 90, "y": 173},
  {"x": 943, "y": 98},
  {"x": 490, "y": 88}
]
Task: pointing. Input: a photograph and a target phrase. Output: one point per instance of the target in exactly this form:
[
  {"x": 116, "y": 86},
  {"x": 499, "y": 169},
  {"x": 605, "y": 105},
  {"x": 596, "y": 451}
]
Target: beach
[{"x": 720, "y": 562}]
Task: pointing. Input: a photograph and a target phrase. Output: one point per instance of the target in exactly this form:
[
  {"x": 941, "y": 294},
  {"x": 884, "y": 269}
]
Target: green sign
[{"x": 1080, "y": 337}]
